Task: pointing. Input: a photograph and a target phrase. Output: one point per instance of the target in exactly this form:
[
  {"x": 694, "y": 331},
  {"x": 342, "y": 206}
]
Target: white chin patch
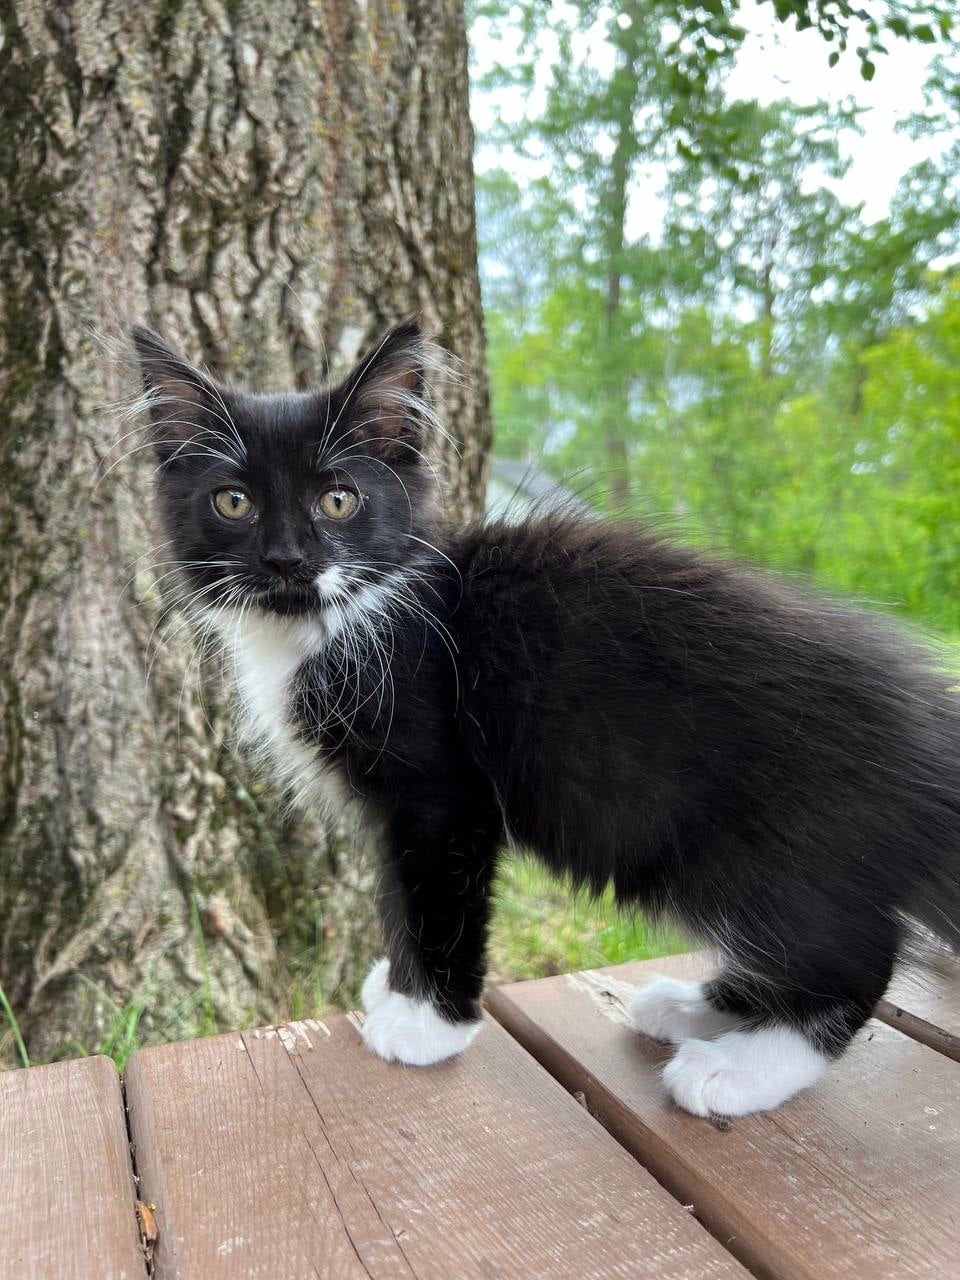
[
  {"x": 671, "y": 1010},
  {"x": 399, "y": 1028},
  {"x": 742, "y": 1071}
]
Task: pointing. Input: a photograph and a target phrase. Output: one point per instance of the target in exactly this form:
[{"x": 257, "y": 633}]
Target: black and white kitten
[{"x": 779, "y": 774}]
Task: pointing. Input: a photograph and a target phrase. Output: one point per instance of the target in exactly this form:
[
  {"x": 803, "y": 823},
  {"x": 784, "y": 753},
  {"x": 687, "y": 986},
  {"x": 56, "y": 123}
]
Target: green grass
[
  {"x": 124, "y": 1033},
  {"x": 193, "y": 1017},
  {"x": 542, "y": 927},
  {"x": 14, "y": 1028}
]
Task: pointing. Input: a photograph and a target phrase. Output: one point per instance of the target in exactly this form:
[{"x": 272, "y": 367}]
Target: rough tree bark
[{"x": 269, "y": 183}]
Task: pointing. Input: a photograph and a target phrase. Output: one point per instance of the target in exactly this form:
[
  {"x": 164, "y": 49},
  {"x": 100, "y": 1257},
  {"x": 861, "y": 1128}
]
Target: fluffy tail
[{"x": 936, "y": 910}]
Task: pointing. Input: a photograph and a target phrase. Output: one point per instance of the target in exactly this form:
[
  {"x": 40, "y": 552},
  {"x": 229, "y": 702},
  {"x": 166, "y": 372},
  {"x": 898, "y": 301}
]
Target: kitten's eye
[
  {"x": 339, "y": 504},
  {"x": 232, "y": 504}
]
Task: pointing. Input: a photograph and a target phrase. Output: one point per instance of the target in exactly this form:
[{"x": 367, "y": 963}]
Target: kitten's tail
[
  {"x": 933, "y": 905},
  {"x": 933, "y": 908},
  {"x": 936, "y": 909}
]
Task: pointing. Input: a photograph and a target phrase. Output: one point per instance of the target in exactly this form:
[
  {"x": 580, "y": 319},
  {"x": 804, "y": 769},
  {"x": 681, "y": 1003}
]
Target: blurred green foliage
[
  {"x": 769, "y": 372},
  {"x": 542, "y": 926}
]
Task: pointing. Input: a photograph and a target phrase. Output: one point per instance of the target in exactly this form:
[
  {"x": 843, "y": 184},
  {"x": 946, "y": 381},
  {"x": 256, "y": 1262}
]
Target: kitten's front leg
[
  {"x": 422, "y": 1003},
  {"x": 409, "y": 1028}
]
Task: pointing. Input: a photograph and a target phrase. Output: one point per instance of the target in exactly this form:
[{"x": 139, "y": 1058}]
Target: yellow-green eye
[
  {"x": 232, "y": 504},
  {"x": 339, "y": 504}
]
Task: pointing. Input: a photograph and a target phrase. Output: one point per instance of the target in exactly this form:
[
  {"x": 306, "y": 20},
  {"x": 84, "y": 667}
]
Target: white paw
[
  {"x": 742, "y": 1071},
  {"x": 671, "y": 1010},
  {"x": 399, "y": 1028}
]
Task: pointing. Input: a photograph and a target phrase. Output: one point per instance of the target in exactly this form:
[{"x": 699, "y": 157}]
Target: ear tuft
[
  {"x": 181, "y": 399},
  {"x": 386, "y": 395}
]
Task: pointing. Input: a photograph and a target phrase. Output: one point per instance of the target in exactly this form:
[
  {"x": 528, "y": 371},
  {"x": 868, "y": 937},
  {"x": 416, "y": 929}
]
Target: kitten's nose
[{"x": 284, "y": 565}]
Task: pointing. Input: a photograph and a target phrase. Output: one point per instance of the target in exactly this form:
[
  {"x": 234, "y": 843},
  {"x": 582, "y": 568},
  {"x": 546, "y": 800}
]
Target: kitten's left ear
[{"x": 385, "y": 395}]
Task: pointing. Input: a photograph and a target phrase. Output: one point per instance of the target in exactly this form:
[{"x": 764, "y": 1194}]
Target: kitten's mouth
[{"x": 290, "y": 601}]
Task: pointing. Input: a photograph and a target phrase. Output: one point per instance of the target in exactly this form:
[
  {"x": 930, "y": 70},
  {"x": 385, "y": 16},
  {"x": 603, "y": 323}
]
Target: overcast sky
[{"x": 777, "y": 61}]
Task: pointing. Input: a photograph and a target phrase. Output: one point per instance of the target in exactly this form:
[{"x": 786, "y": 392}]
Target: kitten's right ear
[{"x": 184, "y": 403}]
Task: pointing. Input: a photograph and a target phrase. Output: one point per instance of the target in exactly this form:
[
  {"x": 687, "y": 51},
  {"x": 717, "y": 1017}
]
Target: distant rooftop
[{"x": 515, "y": 486}]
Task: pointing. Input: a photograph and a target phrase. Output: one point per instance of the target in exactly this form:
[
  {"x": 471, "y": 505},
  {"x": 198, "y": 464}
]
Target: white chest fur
[{"x": 267, "y": 652}]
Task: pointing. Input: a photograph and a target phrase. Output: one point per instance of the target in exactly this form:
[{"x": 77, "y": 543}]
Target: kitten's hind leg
[
  {"x": 671, "y": 1010},
  {"x": 792, "y": 1023}
]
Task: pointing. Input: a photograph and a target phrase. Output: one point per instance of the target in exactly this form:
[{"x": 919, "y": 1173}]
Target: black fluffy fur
[{"x": 778, "y": 773}]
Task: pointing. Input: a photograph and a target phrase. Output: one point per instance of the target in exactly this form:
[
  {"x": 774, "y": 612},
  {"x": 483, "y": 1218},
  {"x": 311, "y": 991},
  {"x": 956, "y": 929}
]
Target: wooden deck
[{"x": 549, "y": 1150}]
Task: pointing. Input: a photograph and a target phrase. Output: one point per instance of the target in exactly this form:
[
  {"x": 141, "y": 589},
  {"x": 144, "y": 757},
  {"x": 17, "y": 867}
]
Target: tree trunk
[{"x": 270, "y": 183}]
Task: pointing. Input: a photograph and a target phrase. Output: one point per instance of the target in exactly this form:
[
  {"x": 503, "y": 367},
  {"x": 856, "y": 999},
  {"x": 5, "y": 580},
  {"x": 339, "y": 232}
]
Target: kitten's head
[{"x": 293, "y": 503}]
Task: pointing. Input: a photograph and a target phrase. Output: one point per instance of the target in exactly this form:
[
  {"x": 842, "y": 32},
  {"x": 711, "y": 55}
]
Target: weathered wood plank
[
  {"x": 67, "y": 1198},
  {"x": 294, "y": 1152},
  {"x": 859, "y": 1177}
]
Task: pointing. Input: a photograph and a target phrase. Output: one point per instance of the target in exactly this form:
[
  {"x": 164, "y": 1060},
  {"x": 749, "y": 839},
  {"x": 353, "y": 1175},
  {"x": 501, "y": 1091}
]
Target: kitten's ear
[
  {"x": 184, "y": 403},
  {"x": 385, "y": 395}
]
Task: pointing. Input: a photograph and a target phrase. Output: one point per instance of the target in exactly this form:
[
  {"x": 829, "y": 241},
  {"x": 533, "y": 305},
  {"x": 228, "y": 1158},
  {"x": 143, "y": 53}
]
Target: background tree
[{"x": 269, "y": 184}]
